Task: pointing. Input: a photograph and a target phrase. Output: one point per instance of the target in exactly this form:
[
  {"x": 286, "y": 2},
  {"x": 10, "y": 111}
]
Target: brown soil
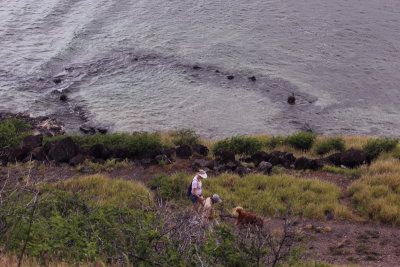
[{"x": 341, "y": 243}]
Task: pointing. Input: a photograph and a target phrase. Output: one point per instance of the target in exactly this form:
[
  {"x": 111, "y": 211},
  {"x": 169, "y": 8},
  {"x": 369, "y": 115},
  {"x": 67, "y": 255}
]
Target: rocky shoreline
[{"x": 67, "y": 151}]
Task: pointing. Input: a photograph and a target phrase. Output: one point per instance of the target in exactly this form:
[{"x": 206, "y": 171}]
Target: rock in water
[{"x": 291, "y": 99}]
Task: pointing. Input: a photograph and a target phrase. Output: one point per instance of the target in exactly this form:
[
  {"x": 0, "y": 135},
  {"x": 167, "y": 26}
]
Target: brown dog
[{"x": 247, "y": 218}]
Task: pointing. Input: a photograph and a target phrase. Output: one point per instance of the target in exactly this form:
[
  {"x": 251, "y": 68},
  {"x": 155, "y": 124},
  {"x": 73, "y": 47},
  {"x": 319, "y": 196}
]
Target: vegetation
[
  {"x": 240, "y": 145},
  {"x": 94, "y": 167},
  {"x": 375, "y": 147},
  {"x": 330, "y": 144},
  {"x": 12, "y": 131},
  {"x": 185, "y": 137},
  {"x": 349, "y": 173},
  {"x": 301, "y": 140}
]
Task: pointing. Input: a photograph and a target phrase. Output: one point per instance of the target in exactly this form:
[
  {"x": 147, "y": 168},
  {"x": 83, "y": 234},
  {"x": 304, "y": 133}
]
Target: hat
[
  {"x": 216, "y": 198},
  {"x": 202, "y": 174}
]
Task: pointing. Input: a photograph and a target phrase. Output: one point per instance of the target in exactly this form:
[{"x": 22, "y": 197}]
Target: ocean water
[{"x": 128, "y": 65}]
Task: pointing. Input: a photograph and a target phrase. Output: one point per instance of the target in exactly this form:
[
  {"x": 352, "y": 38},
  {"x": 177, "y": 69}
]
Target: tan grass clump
[
  {"x": 377, "y": 197},
  {"x": 271, "y": 195},
  {"x": 106, "y": 191}
]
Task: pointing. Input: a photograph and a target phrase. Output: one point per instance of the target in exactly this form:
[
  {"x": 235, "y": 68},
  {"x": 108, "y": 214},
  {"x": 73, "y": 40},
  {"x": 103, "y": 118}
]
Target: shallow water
[{"x": 129, "y": 64}]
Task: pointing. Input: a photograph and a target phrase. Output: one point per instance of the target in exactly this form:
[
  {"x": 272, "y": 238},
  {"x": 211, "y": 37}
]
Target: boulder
[
  {"x": 335, "y": 159},
  {"x": 17, "y": 154},
  {"x": 281, "y": 158},
  {"x": 38, "y": 154},
  {"x": 61, "y": 151},
  {"x": 303, "y": 163},
  {"x": 224, "y": 157},
  {"x": 32, "y": 141},
  {"x": 352, "y": 158},
  {"x": 242, "y": 170},
  {"x": 87, "y": 129},
  {"x": 4, "y": 155},
  {"x": 202, "y": 163},
  {"x": 169, "y": 152},
  {"x": 120, "y": 153},
  {"x": 78, "y": 159},
  {"x": 200, "y": 149},
  {"x": 183, "y": 151},
  {"x": 258, "y": 157},
  {"x": 96, "y": 151},
  {"x": 232, "y": 165},
  {"x": 264, "y": 167}
]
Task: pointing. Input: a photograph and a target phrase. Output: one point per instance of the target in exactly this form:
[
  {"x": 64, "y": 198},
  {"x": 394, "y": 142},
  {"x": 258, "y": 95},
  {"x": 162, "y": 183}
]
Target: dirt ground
[{"x": 335, "y": 242}]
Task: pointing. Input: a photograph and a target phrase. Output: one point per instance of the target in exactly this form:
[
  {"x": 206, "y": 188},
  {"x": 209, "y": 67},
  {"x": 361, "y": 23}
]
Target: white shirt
[{"x": 196, "y": 185}]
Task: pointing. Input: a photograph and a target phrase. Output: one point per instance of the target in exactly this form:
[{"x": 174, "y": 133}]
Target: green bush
[
  {"x": 52, "y": 139},
  {"x": 12, "y": 131},
  {"x": 274, "y": 142},
  {"x": 170, "y": 187},
  {"x": 330, "y": 144},
  {"x": 301, "y": 140},
  {"x": 185, "y": 137},
  {"x": 135, "y": 143},
  {"x": 349, "y": 173},
  {"x": 240, "y": 145},
  {"x": 375, "y": 147}
]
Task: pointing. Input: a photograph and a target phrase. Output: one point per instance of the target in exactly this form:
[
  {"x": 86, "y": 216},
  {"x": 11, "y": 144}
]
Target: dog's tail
[{"x": 237, "y": 210}]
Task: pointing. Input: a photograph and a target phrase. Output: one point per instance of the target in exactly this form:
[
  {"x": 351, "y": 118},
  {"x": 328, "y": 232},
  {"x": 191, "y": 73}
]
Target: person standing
[{"x": 195, "y": 195}]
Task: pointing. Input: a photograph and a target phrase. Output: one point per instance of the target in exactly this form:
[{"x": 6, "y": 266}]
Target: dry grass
[
  {"x": 271, "y": 195},
  {"x": 105, "y": 190}
]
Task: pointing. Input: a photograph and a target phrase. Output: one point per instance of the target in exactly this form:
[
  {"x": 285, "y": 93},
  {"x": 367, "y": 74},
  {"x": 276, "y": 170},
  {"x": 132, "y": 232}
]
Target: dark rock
[
  {"x": 63, "y": 98},
  {"x": 17, "y": 154},
  {"x": 321, "y": 163},
  {"x": 32, "y": 141},
  {"x": 352, "y": 158},
  {"x": 162, "y": 158},
  {"x": 102, "y": 130},
  {"x": 119, "y": 152},
  {"x": 230, "y": 77},
  {"x": 335, "y": 159},
  {"x": 38, "y": 154},
  {"x": 96, "y": 151},
  {"x": 264, "y": 167},
  {"x": 195, "y": 67},
  {"x": 247, "y": 159},
  {"x": 4, "y": 155},
  {"x": 281, "y": 158},
  {"x": 258, "y": 157},
  {"x": 252, "y": 78},
  {"x": 62, "y": 151},
  {"x": 221, "y": 168},
  {"x": 78, "y": 159},
  {"x": 242, "y": 170},
  {"x": 200, "y": 149},
  {"x": 106, "y": 153},
  {"x": 151, "y": 154},
  {"x": 223, "y": 156},
  {"x": 183, "y": 151},
  {"x": 87, "y": 129},
  {"x": 232, "y": 165},
  {"x": 217, "y": 71},
  {"x": 202, "y": 163},
  {"x": 169, "y": 152},
  {"x": 303, "y": 163},
  {"x": 291, "y": 100},
  {"x": 57, "y": 80}
]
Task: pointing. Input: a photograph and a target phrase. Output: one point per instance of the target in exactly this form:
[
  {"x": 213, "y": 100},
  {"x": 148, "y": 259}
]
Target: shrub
[
  {"x": 12, "y": 131},
  {"x": 330, "y": 144},
  {"x": 274, "y": 142},
  {"x": 52, "y": 139},
  {"x": 375, "y": 147},
  {"x": 170, "y": 187},
  {"x": 301, "y": 140},
  {"x": 241, "y": 145},
  {"x": 185, "y": 137},
  {"x": 135, "y": 143},
  {"x": 108, "y": 166}
]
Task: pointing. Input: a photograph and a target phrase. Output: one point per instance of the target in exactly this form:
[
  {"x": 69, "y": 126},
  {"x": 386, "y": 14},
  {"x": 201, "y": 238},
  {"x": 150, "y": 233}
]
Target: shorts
[{"x": 193, "y": 198}]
